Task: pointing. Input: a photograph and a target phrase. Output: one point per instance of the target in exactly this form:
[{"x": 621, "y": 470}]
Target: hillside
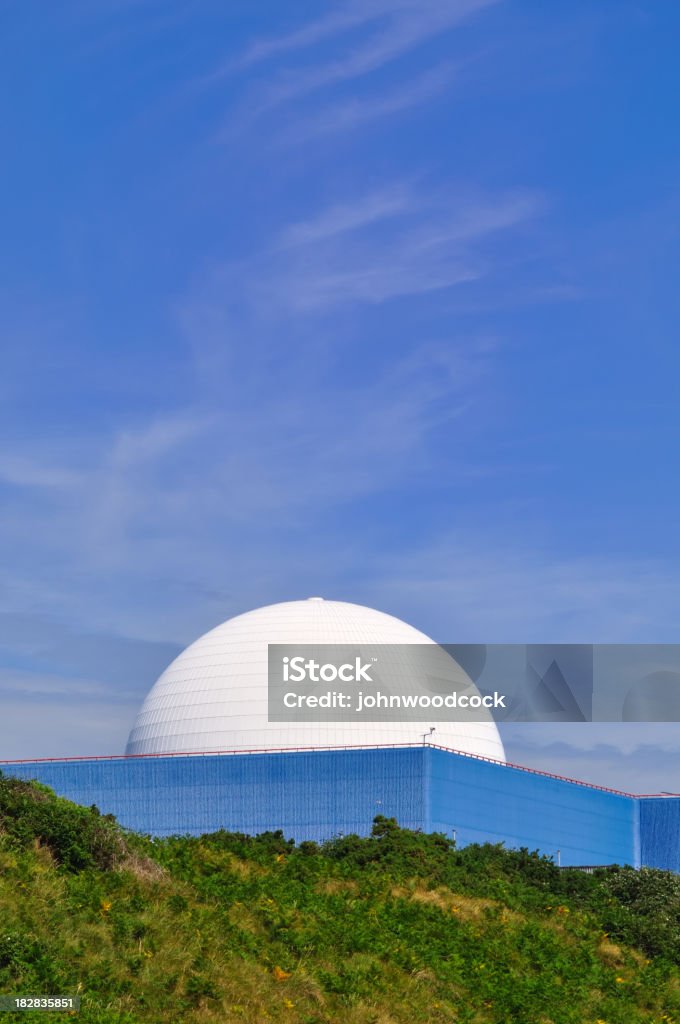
[{"x": 399, "y": 927}]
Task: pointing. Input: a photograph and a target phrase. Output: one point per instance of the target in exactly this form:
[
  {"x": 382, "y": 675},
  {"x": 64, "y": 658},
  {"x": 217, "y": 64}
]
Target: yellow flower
[
  {"x": 106, "y": 906},
  {"x": 620, "y": 980},
  {"x": 288, "y": 1004}
]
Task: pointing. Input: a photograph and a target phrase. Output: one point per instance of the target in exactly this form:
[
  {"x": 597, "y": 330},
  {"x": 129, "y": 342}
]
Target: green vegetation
[{"x": 398, "y": 927}]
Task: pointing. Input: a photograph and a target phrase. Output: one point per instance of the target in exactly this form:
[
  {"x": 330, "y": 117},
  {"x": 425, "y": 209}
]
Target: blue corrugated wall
[
  {"x": 320, "y": 794},
  {"x": 310, "y": 795},
  {"x": 491, "y": 803},
  {"x": 660, "y": 832}
]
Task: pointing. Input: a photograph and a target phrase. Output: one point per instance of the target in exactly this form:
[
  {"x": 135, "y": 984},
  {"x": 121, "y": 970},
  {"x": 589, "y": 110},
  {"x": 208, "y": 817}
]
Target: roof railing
[{"x": 348, "y": 746}]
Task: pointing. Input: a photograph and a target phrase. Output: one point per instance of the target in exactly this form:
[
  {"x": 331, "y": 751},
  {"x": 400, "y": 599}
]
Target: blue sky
[{"x": 374, "y": 299}]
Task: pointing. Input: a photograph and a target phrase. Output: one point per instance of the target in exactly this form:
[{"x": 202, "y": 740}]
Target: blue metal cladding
[
  {"x": 660, "y": 832},
  {"x": 492, "y": 803},
  {"x": 325, "y": 793},
  {"x": 309, "y": 795}
]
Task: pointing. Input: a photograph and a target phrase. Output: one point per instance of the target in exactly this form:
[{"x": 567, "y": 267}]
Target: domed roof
[{"x": 214, "y": 696}]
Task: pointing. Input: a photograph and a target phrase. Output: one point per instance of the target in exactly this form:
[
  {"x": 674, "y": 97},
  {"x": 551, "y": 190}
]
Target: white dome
[{"x": 213, "y": 697}]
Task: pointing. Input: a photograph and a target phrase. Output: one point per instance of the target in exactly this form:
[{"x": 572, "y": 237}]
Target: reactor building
[{"x": 203, "y": 755}]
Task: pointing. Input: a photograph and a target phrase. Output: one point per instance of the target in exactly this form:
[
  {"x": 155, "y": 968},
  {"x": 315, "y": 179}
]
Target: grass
[{"x": 397, "y": 928}]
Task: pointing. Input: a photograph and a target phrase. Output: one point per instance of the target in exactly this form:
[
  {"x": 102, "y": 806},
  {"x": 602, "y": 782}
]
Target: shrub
[
  {"x": 76, "y": 836},
  {"x": 643, "y": 909}
]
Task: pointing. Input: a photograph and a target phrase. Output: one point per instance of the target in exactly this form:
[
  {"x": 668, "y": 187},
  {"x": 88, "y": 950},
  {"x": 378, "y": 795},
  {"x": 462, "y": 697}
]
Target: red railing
[{"x": 353, "y": 746}]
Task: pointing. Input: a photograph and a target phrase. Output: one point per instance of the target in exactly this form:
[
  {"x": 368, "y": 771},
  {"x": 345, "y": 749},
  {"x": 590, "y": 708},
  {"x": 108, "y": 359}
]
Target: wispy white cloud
[
  {"x": 342, "y": 19},
  {"x": 502, "y": 588},
  {"x": 21, "y": 682},
  {"x": 155, "y": 439},
  {"x": 385, "y": 245},
  {"x": 20, "y": 471},
  {"x": 473, "y": 219},
  {"x": 341, "y": 218},
  {"x": 409, "y": 25},
  {"x": 360, "y": 110},
  {"x": 625, "y": 737},
  {"x": 374, "y": 283},
  {"x": 269, "y": 436}
]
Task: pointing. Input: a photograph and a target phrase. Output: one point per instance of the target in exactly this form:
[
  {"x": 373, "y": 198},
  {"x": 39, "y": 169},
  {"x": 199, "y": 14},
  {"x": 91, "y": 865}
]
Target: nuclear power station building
[{"x": 202, "y": 755}]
